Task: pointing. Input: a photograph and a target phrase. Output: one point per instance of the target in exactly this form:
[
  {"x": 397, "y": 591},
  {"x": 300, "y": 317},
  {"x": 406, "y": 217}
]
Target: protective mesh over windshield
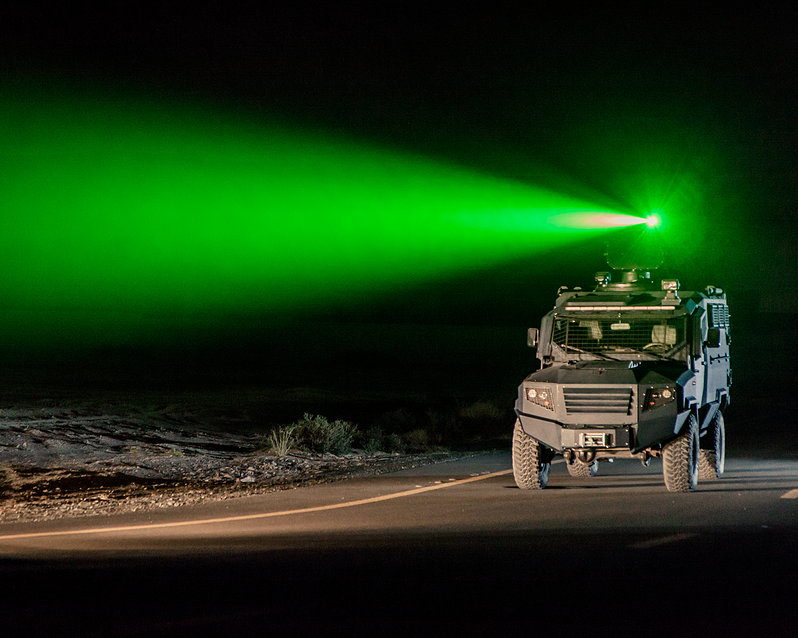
[{"x": 599, "y": 334}]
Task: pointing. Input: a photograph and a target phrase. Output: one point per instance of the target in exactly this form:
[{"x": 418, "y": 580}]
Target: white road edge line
[
  {"x": 252, "y": 517},
  {"x": 663, "y": 540},
  {"x": 790, "y": 494}
]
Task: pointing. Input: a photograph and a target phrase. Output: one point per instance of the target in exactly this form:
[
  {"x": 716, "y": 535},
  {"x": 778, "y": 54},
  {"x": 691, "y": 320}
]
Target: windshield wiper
[
  {"x": 646, "y": 353},
  {"x": 595, "y": 354}
]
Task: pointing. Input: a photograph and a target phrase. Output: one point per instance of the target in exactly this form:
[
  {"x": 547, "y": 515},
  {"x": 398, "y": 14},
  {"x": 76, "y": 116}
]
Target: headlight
[
  {"x": 540, "y": 395},
  {"x": 657, "y": 397}
]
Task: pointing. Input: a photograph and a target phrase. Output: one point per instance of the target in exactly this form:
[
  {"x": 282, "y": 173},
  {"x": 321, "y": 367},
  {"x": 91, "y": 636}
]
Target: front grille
[{"x": 597, "y": 400}]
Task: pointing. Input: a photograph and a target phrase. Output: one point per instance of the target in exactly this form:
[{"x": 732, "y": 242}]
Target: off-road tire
[
  {"x": 712, "y": 458},
  {"x": 531, "y": 472},
  {"x": 680, "y": 459},
  {"x": 578, "y": 469}
]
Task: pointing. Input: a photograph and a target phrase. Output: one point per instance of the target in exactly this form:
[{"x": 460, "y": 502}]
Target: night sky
[{"x": 696, "y": 103}]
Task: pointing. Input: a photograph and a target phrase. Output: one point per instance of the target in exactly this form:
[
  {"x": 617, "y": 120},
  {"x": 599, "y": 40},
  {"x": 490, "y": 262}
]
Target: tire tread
[
  {"x": 677, "y": 458},
  {"x": 529, "y": 472},
  {"x": 712, "y": 461}
]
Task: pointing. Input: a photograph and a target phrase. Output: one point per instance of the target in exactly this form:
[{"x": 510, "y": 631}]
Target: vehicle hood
[{"x": 614, "y": 372}]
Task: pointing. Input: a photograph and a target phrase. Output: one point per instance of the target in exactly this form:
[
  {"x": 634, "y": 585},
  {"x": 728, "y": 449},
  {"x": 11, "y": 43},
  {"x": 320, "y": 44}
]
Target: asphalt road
[{"x": 450, "y": 549}]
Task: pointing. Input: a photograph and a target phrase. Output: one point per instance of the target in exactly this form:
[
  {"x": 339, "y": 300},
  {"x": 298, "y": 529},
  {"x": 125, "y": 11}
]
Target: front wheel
[
  {"x": 530, "y": 470},
  {"x": 712, "y": 459},
  {"x": 680, "y": 459}
]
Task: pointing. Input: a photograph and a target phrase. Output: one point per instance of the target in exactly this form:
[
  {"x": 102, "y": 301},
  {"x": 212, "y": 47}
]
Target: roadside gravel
[{"x": 58, "y": 463}]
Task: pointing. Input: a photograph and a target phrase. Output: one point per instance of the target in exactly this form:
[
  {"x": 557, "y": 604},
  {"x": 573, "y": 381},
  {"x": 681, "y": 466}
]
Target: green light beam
[{"x": 122, "y": 216}]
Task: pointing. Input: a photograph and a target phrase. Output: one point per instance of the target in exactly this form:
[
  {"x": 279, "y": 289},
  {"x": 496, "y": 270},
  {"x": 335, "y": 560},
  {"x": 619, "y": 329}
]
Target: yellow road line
[
  {"x": 252, "y": 517},
  {"x": 790, "y": 494}
]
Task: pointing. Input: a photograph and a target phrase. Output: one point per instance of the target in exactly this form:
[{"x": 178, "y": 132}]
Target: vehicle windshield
[{"x": 621, "y": 336}]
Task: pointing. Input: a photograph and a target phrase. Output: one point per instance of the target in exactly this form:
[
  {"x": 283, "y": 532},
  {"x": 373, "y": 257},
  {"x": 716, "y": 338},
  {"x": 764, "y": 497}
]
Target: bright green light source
[{"x": 652, "y": 220}]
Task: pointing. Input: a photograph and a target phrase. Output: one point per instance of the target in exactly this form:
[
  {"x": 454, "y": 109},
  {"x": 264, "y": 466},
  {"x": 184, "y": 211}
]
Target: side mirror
[
  {"x": 713, "y": 338},
  {"x": 532, "y": 336}
]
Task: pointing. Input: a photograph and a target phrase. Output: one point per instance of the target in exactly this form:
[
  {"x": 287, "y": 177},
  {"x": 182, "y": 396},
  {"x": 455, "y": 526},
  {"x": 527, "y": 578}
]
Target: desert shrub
[
  {"x": 482, "y": 410},
  {"x": 393, "y": 443},
  {"x": 317, "y": 434},
  {"x": 444, "y": 428},
  {"x": 399, "y": 420},
  {"x": 485, "y": 423},
  {"x": 417, "y": 440},
  {"x": 282, "y": 439},
  {"x": 373, "y": 441}
]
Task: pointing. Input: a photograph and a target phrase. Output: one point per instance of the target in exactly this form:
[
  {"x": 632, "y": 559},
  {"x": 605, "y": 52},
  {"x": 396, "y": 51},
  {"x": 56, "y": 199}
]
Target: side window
[{"x": 713, "y": 338}]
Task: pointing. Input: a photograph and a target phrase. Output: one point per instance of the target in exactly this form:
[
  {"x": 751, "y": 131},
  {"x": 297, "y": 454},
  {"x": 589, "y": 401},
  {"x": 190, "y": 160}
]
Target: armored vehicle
[{"x": 633, "y": 369}]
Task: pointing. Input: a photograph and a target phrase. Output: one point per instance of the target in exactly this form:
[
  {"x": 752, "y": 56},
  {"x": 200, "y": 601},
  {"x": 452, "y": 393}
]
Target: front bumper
[
  {"x": 651, "y": 431},
  {"x": 559, "y": 437}
]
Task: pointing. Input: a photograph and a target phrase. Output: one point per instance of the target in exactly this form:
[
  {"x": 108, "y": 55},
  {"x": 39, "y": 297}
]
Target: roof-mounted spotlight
[
  {"x": 602, "y": 278},
  {"x": 671, "y": 288}
]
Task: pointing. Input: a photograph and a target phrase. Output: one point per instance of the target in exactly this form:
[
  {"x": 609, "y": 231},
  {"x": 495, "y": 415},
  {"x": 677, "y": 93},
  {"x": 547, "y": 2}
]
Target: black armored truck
[{"x": 632, "y": 369}]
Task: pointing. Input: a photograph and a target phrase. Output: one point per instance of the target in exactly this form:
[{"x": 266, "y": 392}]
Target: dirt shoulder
[{"x": 57, "y": 463}]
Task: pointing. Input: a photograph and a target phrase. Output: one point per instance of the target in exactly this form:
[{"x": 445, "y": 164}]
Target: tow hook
[{"x": 586, "y": 456}]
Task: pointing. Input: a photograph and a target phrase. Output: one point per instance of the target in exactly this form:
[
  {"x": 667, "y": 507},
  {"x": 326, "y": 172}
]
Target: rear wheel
[
  {"x": 531, "y": 461},
  {"x": 680, "y": 459},
  {"x": 582, "y": 470},
  {"x": 712, "y": 459}
]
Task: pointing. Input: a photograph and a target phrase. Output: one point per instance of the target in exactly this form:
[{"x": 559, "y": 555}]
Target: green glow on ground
[{"x": 121, "y": 217}]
